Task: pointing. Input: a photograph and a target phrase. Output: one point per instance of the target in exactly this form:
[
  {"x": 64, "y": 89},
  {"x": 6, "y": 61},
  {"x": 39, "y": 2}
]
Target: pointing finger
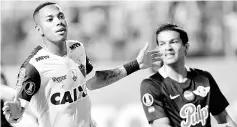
[{"x": 145, "y": 47}]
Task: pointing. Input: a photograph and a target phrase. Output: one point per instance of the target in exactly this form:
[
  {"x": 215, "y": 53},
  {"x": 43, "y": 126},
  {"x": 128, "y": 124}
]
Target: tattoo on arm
[{"x": 110, "y": 76}]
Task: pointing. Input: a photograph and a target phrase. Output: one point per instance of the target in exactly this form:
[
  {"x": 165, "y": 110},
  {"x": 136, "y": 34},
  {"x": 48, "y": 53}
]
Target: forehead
[
  {"x": 49, "y": 10},
  {"x": 167, "y": 35}
]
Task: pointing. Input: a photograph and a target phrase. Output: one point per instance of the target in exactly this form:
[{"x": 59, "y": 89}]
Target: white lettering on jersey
[
  {"x": 68, "y": 96},
  {"x": 193, "y": 115},
  {"x": 202, "y": 91}
]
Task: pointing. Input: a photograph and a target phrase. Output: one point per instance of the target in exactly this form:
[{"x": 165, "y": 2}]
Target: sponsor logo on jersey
[
  {"x": 147, "y": 99},
  {"x": 73, "y": 74},
  {"x": 82, "y": 68},
  {"x": 188, "y": 95},
  {"x": 59, "y": 79},
  {"x": 29, "y": 88},
  {"x": 71, "y": 96},
  {"x": 72, "y": 47},
  {"x": 21, "y": 77},
  {"x": 193, "y": 115},
  {"x": 41, "y": 58},
  {"x": 174, "y": 97},
  {"x": 202, "y": 91}
]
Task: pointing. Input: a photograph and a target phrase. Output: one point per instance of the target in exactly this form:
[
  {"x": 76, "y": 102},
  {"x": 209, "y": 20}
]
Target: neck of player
[
  {"x": 176, "y": 71},
  {"x": 56, "y": 48}
]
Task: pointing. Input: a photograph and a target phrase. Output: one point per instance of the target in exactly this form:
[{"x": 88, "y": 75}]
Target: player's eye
[
  {"x": 161, "y": 43},
  {"x": 174, "y": 41},
  {"x": 49, "y": 20},
  {"x": 61, "y": 16}
]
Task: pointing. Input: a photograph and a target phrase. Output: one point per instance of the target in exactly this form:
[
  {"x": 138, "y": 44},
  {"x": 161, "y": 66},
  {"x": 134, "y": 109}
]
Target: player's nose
[{"x": 168, "y": 47}]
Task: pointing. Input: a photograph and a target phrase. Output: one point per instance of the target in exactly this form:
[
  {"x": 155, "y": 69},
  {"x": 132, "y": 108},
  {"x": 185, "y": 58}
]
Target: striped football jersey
[{"x": 54, "y": 87}]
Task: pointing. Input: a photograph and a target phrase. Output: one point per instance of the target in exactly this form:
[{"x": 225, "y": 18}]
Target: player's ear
[
  {"x": 186, "y": 48},
  {"x": 38, "y": 28}
]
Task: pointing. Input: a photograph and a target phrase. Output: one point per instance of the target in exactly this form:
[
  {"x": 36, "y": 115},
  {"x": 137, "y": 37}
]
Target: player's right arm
[
  {"x": 28, "y": 83},
  {"x": 104, "y": 78},
  {"x": 218, "y": 107},
  {"x": 151, "y": 98}
]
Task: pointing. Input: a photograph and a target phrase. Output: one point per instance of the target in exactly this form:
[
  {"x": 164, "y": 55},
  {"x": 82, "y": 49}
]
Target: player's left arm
[
  {"x": 224, "y": 117},
  {"x": 104, "y": 78},
  {"x": 218, "y": 107}
]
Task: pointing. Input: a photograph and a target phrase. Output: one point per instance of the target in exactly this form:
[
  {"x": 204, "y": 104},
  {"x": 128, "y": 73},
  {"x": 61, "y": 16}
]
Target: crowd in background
[{"x": 116, "y": 31}]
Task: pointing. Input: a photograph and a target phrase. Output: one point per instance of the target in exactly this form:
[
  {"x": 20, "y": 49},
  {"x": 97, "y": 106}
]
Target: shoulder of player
[
  {"x": 32, "y": 57},
  {"x": 152, "y": 81},
  {"x": 28, "y": 67},
  {"x": 200, "y": 71}
]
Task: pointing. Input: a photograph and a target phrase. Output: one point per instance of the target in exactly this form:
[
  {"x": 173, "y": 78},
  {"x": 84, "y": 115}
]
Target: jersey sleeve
[
  {"x": 218, "y": 102},
  {"x": 152, "y": 101},
  {"x": 89, "y": 66},
  {"x": 28, "y": 83}
]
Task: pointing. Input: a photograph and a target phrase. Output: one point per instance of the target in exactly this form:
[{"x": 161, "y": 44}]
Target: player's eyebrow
[
  {"x": 60, "y": 13},
  {"x": 177, "y": 38},
  {"x": 49, "y": 16},
  {"x": 161, "y": 41},
  {"x": 174, "y": 39}
]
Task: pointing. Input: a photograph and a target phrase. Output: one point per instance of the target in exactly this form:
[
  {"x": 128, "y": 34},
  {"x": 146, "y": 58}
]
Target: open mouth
[
  {"x": 169, "y": 55},
  {"x": 62, "y": 30}
]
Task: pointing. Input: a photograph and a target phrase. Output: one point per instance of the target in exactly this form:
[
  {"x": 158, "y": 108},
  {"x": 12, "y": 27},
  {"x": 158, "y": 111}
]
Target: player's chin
[
  {"x": 169, "y": 61},
  {"x": 60, "y": 38}
]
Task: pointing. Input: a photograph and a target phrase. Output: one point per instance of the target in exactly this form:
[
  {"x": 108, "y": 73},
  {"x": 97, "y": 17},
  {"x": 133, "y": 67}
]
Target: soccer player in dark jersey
[
  {"x": 177, "y": 95},
  {"x": 52, "y": 80}
]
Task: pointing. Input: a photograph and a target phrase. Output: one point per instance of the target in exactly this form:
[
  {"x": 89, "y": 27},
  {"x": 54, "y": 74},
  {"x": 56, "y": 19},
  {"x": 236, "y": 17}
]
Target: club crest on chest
[{"x": 73, "y": 74}]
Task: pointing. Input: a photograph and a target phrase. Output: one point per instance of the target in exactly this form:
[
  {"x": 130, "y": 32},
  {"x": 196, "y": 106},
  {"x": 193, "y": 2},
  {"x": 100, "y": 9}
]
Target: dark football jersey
[{"x": 186, "y": 104}]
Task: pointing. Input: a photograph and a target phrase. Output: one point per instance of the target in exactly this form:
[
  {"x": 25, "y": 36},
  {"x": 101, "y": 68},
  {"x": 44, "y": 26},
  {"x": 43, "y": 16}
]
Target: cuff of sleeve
[{"x": 221, "y": 108}]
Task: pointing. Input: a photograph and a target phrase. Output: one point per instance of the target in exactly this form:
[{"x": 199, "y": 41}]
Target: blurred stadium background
[{"x": 113, "y": 32}]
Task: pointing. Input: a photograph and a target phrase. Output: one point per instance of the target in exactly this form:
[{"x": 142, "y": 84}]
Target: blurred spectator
[
  {"x": 230, "y": 20},
  {"x": 4, "y": 122}
]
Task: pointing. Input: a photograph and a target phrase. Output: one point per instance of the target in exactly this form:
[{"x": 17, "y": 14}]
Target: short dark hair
[
  {"x": 37, "y": 9},
  {"x": 173, "y": 27}
]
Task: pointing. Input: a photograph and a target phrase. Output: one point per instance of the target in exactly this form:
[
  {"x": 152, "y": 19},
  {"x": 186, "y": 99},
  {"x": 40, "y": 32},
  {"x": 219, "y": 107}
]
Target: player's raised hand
[
  {"x": 13, "y": 110},
  {"x": 148, "y": 59}
]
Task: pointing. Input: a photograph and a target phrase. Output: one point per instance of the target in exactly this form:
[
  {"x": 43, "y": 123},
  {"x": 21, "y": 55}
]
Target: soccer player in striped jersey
[
  {"x": 52, "y": 80},
  {"x": 177, "y": 95}
]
